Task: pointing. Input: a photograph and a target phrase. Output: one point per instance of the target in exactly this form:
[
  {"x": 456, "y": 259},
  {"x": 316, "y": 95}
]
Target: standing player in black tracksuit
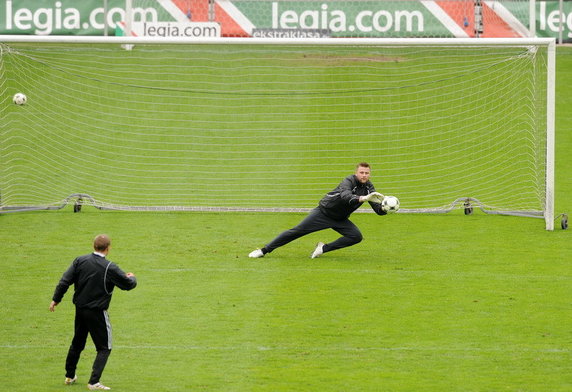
[
  {"x": 333, "y": 212},
  {"x": 94, "y": 278}
]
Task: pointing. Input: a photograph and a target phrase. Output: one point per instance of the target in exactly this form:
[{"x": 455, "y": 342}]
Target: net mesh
[{"x": 271, "y": 126}]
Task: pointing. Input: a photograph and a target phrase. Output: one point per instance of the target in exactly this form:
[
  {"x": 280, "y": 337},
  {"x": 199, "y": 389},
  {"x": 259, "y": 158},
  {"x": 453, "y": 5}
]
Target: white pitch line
[
  {"x": 555, "y": 350},
  {"x": 444, "y": 273}
]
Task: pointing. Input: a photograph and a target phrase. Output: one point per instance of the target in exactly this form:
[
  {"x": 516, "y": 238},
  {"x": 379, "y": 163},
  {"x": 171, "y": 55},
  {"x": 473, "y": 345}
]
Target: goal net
[{"x": 248, "y": 124}]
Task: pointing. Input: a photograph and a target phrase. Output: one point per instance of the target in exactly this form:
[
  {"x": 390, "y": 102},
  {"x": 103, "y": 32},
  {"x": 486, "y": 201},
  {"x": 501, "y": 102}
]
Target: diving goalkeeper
[{"x": 333, "y": 212}]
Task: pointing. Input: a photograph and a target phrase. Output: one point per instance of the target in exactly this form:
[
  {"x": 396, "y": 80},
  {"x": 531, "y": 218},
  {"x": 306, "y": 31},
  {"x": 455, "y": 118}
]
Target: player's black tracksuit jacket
[
  {"x": 332, "y": 212},
  {"x": 94, "y": 278}
]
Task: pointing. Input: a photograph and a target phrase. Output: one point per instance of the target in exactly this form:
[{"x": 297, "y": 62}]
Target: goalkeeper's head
[{"x": 363, "y": 171}]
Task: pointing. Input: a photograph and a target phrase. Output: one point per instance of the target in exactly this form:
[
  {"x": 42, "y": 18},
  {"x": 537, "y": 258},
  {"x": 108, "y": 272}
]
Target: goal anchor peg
[
  {"x": 563, "y": 220},
  {"x": 77, "y": 205},
  {"x": 468, "y": 207}
]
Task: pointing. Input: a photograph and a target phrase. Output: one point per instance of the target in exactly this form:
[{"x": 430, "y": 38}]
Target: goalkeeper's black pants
[{"x": 316, "y": 221}]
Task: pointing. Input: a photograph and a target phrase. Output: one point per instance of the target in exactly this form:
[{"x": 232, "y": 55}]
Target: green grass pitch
[{"x": 425, "y": 303}]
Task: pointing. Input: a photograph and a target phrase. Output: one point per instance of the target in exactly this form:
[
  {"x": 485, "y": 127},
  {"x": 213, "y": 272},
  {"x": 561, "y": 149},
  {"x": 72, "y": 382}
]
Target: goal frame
[{"x": 550, "y": 43}]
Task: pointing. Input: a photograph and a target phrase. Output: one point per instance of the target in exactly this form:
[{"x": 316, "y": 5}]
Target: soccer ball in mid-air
[
  {"x": 390, "y": 204},
  {"x": 20, "y": 99}
]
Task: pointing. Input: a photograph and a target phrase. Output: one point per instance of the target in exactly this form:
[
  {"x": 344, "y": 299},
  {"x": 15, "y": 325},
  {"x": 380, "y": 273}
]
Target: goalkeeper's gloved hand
[{"x": 374, "y": 197}]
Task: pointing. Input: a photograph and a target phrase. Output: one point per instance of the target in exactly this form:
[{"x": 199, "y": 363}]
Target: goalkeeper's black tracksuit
[
  {"x": 332, "y": 212},
  {"x": 94, "y": 278}
]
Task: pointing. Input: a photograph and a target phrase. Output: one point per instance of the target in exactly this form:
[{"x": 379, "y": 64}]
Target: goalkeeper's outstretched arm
[{"x": 374, "y": 199}]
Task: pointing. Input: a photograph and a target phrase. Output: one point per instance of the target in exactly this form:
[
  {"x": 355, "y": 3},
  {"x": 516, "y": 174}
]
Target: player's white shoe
[
  {"x": 70, "y": 381},
  {"x": 319, "y": 250},
  {"x": 256, "y": 254},
  {"x": 97, "y": 387}
]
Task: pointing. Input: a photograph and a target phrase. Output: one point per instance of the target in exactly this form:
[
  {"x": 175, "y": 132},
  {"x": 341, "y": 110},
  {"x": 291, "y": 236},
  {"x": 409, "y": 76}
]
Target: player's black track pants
[
  {"x": 94, "y": 322},
  {"x": 316, "y": 221}
]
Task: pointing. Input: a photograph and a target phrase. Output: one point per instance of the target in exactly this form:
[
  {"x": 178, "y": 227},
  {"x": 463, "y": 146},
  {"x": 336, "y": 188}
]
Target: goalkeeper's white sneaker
[
  {"x": 319, "y": 250},
  {"x": 97, "y": 387},
  {"x": 256, "y": 254},
  {"x": 70, "y": 381}
]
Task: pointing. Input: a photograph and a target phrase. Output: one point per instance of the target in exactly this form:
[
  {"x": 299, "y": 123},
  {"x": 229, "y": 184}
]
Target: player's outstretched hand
[{"x": 374, "y": 197}]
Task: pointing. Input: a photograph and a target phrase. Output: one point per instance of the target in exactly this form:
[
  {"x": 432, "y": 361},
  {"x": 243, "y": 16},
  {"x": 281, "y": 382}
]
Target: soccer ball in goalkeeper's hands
[
  {"x": 390, "y": 204},
  {"x": 20, "y": 99}
]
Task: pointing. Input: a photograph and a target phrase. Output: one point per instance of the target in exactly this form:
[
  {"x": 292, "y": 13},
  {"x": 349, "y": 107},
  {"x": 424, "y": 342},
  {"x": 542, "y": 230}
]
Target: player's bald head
[{"x": 101, "y": 242}]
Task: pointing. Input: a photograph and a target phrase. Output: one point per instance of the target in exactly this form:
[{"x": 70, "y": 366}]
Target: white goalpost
[{"x": 271, "y": 125}]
